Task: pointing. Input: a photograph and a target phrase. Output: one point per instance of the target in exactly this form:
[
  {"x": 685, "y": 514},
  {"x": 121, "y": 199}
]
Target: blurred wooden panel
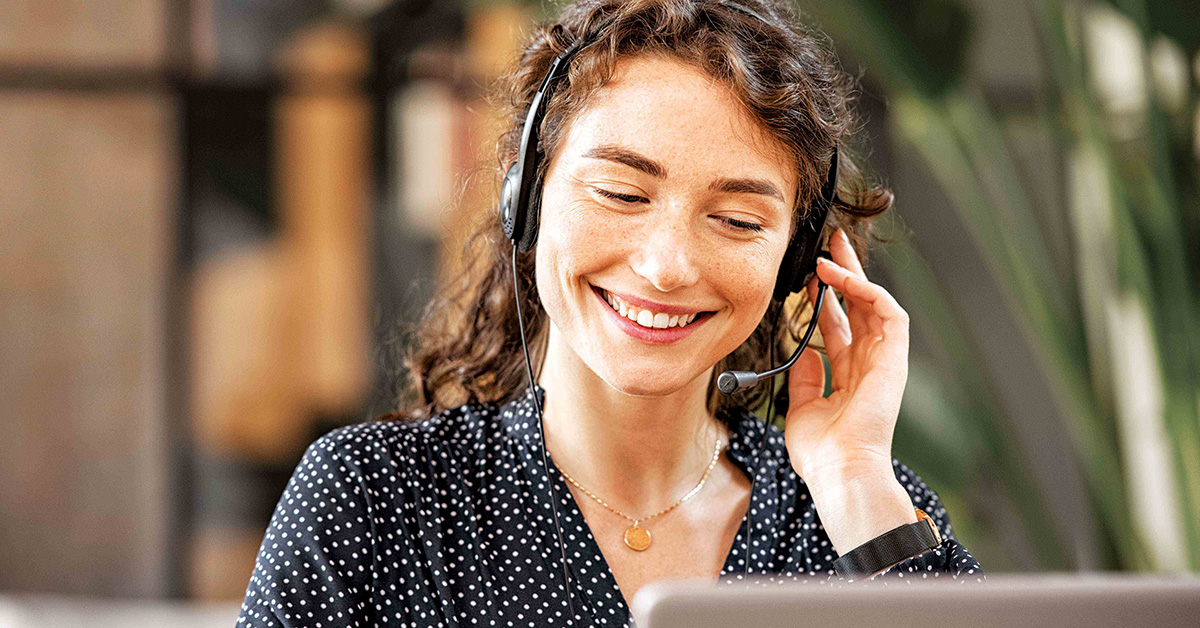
[
  {"x": 495, "y": 34},
  {"x": 86, "y": 209},
  {"x": 280, "y": 330},
  {"x": 324, "y": 150},
  {"x": 84, "y": 33},
  {"x": 246, "y": 396}
]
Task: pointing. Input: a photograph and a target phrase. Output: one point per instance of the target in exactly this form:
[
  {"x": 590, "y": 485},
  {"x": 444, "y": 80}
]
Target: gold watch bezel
[{"x": 923, "y": 516}]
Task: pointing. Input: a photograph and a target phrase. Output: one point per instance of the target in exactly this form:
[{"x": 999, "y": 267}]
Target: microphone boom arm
[{"x": 730, "y": 382}]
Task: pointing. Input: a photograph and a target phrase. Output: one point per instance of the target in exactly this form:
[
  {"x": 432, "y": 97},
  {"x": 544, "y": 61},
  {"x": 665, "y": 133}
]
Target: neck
[{"x": 639, "y": 454}]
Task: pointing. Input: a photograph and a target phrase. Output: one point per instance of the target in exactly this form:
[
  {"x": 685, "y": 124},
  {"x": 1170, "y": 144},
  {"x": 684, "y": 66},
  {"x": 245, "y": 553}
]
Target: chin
[{"x": 651, "y": 380}]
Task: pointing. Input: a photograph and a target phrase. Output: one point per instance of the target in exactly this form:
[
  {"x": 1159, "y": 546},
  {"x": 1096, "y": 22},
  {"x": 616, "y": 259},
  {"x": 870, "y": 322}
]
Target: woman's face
[{"x": 665, "y": 203}]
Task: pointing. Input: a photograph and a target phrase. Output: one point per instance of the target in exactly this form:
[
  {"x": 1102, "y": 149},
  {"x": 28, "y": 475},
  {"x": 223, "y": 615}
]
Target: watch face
[{"x": 921, "y": 516}]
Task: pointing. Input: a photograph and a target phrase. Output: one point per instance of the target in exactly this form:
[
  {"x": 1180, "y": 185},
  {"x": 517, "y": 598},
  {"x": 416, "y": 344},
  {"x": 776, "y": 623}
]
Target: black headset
[{"x": 520, "y": 197}]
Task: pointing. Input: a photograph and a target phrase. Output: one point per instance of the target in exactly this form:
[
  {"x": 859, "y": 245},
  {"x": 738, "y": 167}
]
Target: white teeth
[{"x": 646, "y": 318}]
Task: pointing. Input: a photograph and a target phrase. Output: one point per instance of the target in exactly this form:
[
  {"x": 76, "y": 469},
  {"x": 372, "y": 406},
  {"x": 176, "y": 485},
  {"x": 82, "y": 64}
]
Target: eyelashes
[
  {"x": 624, "y": 198},
  {"x": 733, "y": 223},
  {"x": 739, "y": 224}
]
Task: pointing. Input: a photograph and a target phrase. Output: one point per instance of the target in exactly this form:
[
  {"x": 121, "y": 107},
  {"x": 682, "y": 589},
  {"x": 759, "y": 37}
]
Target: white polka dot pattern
[{"x": 445, "y": 522}]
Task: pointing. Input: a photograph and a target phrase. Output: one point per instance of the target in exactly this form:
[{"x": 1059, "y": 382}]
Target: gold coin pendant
[{"x": 637, "y": 538}]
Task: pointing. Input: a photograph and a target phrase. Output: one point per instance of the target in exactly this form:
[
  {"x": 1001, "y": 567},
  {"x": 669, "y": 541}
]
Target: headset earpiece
[
  {"x": 800, "y": 259},
  {"x": 509, "y": 217},
  {"x": 519, "y": 219}
]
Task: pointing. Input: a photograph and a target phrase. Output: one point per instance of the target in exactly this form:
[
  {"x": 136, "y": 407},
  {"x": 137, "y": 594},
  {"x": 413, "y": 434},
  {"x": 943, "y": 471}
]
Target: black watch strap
[{"x": 889, "y": 548}]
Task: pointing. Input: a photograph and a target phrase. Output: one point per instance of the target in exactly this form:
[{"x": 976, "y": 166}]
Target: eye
[
  {"x": 739, "y": 225},
  {"x": 624, "y": 198}
]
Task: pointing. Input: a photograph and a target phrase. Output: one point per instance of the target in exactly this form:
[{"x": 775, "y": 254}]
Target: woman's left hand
[
  {"x": 841, "y": 445},
  {"x": 868, "y": 354}
]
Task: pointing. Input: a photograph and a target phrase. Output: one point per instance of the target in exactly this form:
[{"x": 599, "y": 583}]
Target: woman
[{"x": 681, "y": 150}]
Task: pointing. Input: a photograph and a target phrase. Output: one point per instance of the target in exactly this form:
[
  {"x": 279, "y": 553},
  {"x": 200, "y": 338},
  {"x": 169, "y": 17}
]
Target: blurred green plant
[{"x": 1117, "y": 337}]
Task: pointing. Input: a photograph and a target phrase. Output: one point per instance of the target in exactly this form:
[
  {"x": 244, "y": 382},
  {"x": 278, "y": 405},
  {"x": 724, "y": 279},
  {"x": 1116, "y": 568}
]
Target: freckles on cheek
[
  {"x": 751, "y": 300},
  {"x": 745, "y": 276},
  {"x": 585, "y": 243},
  {"x": 749, "y": 283}
]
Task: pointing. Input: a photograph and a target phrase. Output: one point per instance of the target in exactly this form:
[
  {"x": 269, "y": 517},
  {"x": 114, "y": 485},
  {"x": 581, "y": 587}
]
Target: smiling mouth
[{"x": 649, "y": 318}]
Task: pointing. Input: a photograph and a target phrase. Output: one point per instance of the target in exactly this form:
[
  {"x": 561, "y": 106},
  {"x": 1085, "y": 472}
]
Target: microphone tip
[{"x": 730, "y": 382}]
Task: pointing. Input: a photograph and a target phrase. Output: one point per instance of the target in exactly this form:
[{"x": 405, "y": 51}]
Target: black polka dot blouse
[{"x": 445, "y": 521}]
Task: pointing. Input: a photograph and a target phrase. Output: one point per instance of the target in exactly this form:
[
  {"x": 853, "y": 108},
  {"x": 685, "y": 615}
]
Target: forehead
[{"x": 679, "y": 115}]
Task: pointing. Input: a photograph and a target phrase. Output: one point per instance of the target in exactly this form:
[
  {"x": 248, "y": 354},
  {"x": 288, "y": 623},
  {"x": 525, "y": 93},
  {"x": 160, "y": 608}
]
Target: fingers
[
  {"x": 887, "y": 317},
  {"x": 843, "y": 253},
  {"x": 806, "y": 379},
  {"x": 835, "y": 327}
]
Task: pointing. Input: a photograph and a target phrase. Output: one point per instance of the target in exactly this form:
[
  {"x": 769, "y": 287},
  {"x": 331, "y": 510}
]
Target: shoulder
[{"x": 404, "y": 443}]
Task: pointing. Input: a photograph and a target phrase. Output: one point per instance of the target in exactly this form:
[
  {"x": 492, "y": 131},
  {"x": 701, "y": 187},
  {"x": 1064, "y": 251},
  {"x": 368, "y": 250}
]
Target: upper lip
[{"x": 653, "y": 306}]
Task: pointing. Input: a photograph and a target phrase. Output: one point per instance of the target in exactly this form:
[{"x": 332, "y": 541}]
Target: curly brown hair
[{"x": 467, "y": 347}]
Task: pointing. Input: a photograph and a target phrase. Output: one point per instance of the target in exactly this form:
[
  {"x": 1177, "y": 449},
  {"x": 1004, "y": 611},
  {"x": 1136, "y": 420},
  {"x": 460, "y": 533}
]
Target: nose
[{"x": 666, "y": 256}]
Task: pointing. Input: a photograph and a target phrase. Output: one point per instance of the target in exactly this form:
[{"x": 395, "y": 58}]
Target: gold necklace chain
[{"x": 637, "y": 538}]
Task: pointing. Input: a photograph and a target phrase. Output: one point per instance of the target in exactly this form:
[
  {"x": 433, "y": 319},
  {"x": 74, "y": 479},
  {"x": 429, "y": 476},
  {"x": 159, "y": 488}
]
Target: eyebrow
[
  {"x": 625, "y": 156},
  {"x": 746, "y": 186},
  {"x": 640, "y": 162}
]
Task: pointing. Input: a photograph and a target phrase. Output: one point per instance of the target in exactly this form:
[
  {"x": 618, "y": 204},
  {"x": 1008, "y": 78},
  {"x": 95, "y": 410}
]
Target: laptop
[{"x": 1084, "y": 600}]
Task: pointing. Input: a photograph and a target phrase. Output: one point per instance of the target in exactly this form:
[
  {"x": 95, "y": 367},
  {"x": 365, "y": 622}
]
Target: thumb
[{"x": 806, "y": 378}]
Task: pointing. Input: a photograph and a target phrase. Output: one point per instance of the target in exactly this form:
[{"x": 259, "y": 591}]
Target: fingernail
[{"x": 845, "y": 237}]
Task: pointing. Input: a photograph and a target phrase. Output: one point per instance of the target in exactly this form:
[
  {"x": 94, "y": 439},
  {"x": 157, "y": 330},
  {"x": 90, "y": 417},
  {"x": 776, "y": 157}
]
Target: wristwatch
[{"x": 889, "y": 548}]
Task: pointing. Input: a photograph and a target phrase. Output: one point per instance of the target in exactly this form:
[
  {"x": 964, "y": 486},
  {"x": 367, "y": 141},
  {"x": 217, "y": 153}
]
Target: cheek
[
  {"x": 750, "y": 283},
  {"x": 572, "y": 243},
  {"x": 582, "y": 239},
  {"x": 748, "y": 270}
]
